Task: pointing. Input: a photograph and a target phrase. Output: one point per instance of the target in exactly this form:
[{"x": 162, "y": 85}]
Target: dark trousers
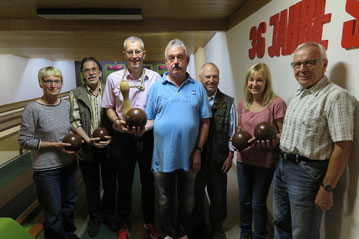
[
  {"x": 254, "y": 183},
  {"x": 101, "y": 168},
  {"x": 129, "y": 150},
  {"x": 216, "y": 182},
  {"x": 57, "y": 194}
]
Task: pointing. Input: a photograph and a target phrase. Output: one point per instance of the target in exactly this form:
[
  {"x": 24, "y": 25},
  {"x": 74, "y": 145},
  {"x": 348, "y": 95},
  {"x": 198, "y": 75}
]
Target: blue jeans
[
  {"x": 295, "y": 188},
  {"x": 57, "y": 194},
  {"x": 254, "y": 183},
  {"x": 166, "y": 185}
]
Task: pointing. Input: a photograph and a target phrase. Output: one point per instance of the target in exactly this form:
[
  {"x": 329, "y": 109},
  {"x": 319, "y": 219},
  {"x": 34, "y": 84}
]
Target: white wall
[
  {"x": 230, "y": 52},
  {"x": 19, "y": 77}
]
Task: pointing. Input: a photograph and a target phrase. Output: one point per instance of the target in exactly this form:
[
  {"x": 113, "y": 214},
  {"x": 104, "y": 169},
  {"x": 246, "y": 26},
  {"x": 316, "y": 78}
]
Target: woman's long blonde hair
[{"x": 268, "y": 94}]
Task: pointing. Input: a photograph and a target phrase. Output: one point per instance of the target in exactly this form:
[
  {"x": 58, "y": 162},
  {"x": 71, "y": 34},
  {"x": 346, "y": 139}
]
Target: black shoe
[
  {"x": 111, "y": 224},
  {"x": 74, "y": 236},
  {"x": 93, "y": 227}
]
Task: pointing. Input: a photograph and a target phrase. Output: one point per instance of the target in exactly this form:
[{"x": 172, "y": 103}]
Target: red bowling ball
[
  {"x": 100, "y": 132},
  {"x": 136, "y": 117},
  {"x": 75, "y": 140},
  {"x": 265, "y": 131},
  {"x": 240, "y": 140}
]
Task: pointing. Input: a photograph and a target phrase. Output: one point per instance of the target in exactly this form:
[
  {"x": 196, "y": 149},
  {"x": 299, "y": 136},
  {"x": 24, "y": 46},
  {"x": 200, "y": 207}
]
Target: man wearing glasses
[
  {"x": 86, "y": 116},
  {"x": 130, "y": 148},
  {"x": 315, "y": 146}
]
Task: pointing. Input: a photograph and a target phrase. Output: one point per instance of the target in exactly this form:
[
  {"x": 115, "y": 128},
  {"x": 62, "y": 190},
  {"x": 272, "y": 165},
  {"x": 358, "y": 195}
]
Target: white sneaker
[{"x": 168, "y": 237}]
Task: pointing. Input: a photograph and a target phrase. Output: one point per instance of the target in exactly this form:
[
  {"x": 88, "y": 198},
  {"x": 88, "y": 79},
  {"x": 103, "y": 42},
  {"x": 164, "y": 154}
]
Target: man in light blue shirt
[{"x": 179, "y": 111}]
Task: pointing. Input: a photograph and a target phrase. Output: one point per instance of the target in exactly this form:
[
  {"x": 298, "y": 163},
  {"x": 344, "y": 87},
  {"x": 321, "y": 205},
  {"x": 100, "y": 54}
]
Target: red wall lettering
[
  {"x": 350, "y": 37},
  {"x": 303, "y": 23},
  {"x": 293, "y": 28},
  {"x": 258, "y": 42}
]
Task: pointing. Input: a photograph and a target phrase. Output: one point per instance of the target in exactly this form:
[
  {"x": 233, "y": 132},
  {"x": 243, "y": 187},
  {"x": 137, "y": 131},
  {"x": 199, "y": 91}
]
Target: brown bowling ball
[
  {"x": 75, "y": 140},
  {"x": 265, "y": 131},
  {"x": 240, "y": 140},
  {"x": 136, "y": 117},
  {"x": 100, "y": 132}
]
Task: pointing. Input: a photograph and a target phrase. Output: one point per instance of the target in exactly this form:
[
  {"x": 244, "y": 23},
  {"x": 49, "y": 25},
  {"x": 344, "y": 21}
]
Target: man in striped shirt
[
  {"x": 315, "y": 145},
  {"x": 86, "y": 116}
]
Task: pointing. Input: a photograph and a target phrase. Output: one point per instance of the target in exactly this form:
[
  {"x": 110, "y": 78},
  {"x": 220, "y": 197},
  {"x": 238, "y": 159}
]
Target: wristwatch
[
  {"x": 327, "y": 187},
  {"x": 199, "y": 148}
]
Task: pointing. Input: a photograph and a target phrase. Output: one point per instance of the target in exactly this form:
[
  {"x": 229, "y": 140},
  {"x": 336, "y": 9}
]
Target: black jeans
[
  {"x": 216, "y": 182},
  {"x": 98, "y": 208},
  {"x": 127, "y": 150}
]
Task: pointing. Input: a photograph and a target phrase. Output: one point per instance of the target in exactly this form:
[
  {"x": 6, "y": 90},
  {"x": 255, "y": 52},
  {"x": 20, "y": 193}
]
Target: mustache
[{"x": 177, "y": 65}]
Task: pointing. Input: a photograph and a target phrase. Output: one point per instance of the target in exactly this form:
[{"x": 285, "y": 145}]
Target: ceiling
[{"x": 23, "y": 33}]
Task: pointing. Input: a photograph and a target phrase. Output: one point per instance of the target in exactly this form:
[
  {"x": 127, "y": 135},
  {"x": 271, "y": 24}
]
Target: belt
[{"x": 296, "y": 158}]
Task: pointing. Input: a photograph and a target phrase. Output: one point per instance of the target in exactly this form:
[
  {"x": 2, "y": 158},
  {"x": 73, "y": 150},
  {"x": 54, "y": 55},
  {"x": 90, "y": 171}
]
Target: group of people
[{"x": 185, "y": 147}]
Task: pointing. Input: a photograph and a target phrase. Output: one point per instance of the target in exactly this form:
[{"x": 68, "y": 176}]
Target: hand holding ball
[
  {"x": 265, "y": 131},
  {"x": 240, "y": 140},
  {"x": 136, "y": 117},
  {"x": 75, "y": 140},
  {"x": 100, "y": 133}
]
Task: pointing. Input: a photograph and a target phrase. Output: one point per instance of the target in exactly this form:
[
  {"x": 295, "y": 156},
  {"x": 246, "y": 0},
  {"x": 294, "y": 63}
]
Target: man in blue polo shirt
[{"x": 179, "y": 111}]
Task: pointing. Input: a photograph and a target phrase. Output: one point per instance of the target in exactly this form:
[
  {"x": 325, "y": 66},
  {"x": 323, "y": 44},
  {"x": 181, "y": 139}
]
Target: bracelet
[
  {"x": 116, "y": 119},
  {"x": 198, "y": 148}
]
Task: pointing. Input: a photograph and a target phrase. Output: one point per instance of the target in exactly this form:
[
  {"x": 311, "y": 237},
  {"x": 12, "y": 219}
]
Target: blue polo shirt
[{"x": 176, "y": 112}]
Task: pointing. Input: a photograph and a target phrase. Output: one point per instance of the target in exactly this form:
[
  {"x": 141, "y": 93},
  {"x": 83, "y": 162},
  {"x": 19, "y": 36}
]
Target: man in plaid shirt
[{"x": 315, "y": 145}]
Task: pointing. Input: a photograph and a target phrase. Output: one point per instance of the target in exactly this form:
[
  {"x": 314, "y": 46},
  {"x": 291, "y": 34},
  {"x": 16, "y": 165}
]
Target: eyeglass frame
[
  {"x": 308, "y": 63},
  {"x": 93, "y": 70},
  {"x": 49, "y": 82}
]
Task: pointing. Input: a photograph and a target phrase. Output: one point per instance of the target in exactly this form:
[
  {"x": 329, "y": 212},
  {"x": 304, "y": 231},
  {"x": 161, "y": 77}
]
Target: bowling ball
[
  {"x": 100, "y": 132},
  {"x": 240, "y": 140},
  {"x": 75, "y": 140},
  {"x": 265, "y": 131},
  {"x": 136, "y": 117}
]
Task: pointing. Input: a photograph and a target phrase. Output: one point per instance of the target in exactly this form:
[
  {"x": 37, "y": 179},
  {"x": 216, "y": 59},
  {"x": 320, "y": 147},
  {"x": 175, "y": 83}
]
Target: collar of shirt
[
  {"x": 212, "y": 98},
  {"x": 90, "y": 91},
  {"x": 187, "y": 81},
  {"x": 128, "y": 76},
  {"x": 315, "y": 89}
]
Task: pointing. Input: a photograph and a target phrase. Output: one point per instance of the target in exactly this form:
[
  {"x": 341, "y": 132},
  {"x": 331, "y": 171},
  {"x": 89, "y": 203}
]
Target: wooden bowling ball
[
  {"x": 240, "y": 140},
  {"x": 265, "y": 131},
  {"x": 75, "y": 140},
  {"x": 100, "y": 132},
  {"x": 136, "y": 117}
]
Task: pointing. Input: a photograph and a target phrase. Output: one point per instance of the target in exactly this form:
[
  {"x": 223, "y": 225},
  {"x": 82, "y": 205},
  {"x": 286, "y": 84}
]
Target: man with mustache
[
  {"x": 315, "y": 146},
  {"x": 179, "y": 112},
  {"x": 86, "y": 116},
  {"x": 129, "y": 148}
]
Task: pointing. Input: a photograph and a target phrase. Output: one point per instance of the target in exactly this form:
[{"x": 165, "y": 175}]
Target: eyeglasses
[
  {"x": 136, "y": 52},
  {"x": 49, "y": 82},
  {"x": 88, "y": 70},
  {"x": 308, "y": 63}
]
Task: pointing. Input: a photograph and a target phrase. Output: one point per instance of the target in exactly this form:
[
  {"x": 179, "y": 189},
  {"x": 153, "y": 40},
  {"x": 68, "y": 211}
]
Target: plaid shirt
[
  {"x": 95, "y": 101},
  {"x": 316, "y": 118}
]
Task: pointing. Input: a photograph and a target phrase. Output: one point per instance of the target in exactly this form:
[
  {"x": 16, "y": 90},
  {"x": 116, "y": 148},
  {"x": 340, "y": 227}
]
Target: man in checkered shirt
[{"x": 315, "y": 145}]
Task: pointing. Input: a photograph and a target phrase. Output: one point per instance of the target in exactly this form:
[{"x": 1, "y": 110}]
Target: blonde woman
[
  {"x": 255, "y": 165},
  {"x": 45, "y": 122}
]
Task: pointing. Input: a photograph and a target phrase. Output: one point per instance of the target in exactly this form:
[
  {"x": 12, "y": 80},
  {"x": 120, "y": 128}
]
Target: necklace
[{"x": 140, "y": 87}]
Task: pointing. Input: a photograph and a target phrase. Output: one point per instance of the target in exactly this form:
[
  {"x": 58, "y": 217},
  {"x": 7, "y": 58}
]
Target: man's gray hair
[
  {"x": 323, "y": 52},
  {"x": 177, "y": 43},
  {"x": 207, "y": 64},
  {"x": 133, "y": 39}
]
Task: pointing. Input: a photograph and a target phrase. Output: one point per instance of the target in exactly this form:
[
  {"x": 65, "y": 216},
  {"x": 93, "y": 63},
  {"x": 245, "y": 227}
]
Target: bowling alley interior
[{"x": 233, "y": 34}]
